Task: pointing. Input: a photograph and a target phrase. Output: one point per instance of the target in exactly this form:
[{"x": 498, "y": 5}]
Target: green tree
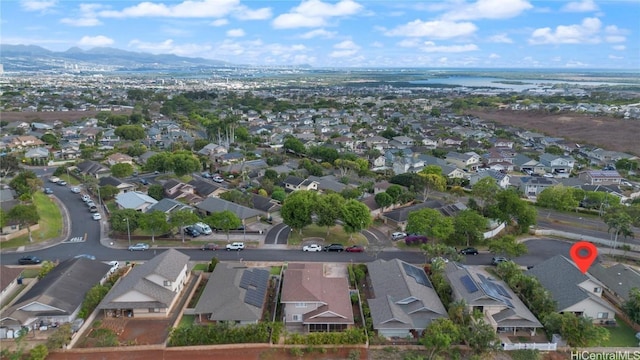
[
  {"x": 26, "y": 182},
  {"x": 298, "y": 208},
  {"x": 60, "y": 337},
  {"x": 39, "y": 352},
  {"x": 9, "y": 165},
  {"x": 120, "y": 218},
  {"x": 45, "y": 268},
  {"x": 394, "y": 191},
  {"x": 486, "y": 189},
  {"x": 50, "y": 139},
  {"x": 136, "y": 150},
  {"x": 121, "y": 170},
  {"x": 24, "y": 215},
  {"x": 431, "y": 223},
  {"x": 469, "y": 225},
  {"x": 329, "y": 209},
  {"x": 294, "y": 145},
  {"x": 507, "y": 246},
  {"x": 224, "y": 220},
  {"x": 130, "y": 132},
  {"x": 509, "y": 207},
  {"x": 156, "y": 191},
  {"x": 432, "y": 180},
  {"x": 91, "y": 300},
  {"x": 108, "y": 192},
  {"x": 156, "y": 222},
  {"x": 618, "y": 222},
  {"x": 184, "y": 162},
  {"x": 160, "y": 162},
  {"x": 577, "y": 331},
  {"x": 439, "y": 336},
  {"x": 631, "y": 307},
  {"x": 182, "y": 218},
  {"x": 383, "y": 199},
  {"x": 270, "y": 174},
  {"x": 3, "y": 219},
  {"x": 278, "y": 194},
  {"x": 481, "y": 337},
  {"x": 557, "y": 197},
  {"x": 356, "y": 216}
]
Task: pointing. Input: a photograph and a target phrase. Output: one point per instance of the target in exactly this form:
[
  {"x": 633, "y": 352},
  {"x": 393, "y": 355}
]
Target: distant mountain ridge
[{"x": 16, "y": 57}]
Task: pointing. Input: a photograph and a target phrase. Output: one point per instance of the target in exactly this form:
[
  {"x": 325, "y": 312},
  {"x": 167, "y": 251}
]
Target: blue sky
[{"x": 347, "y": 33}]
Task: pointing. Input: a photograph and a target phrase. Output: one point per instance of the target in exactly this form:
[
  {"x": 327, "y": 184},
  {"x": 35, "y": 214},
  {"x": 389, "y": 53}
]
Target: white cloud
[
  {"x": 586, "y": 32},
  {"x": 219, "y": 22},
  {"x": 342, "y": 53},
  {"x": 615, "y": 38},
  {"x": 190, "y": 9},
  {"x": 494, "y": 56},
  {"x": 318, "y": 33},
  {"x": 438, "y": 29},
  {"x": 614, "y": 34},
  {"x": 169, "y": 47},
  {"x": 619, "y": 47},
  {"x": 92, "y": 41},
  {"x": 615, "y": 57},
  {"x": 37, "y": 5},
  {"x": 81, "y": 22},
  {"x": 315, "y": 13},
  {"x": 487, "y": 9},
  {"x": 235, "y": 33},
  {"x": 501, "y": 38},
  {"x": 345, "y": 48},
  {"x": 580, "y": 6},
  {"x": 347, "y": 44},
  {"x": 430, "y": 46},
  {"x": 377, "y": 44},
  {"x": 409, "y": 43}
]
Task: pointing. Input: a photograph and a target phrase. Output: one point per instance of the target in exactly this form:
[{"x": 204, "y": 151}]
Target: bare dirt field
[
  {"x": 602, "y": 131},
  {"x": 50, "y": 116},
  {"x": 145, "y": 332}
]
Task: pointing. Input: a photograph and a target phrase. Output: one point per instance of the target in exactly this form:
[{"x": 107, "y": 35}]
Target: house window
[
  {"x": 295, "y": 317},
  {"x": 167, "y": 283},
  {"x": 301, "y": 305},
  {"x": 154, "y": 310},
  {"x": 597, "y": 290},
  {"x": 603, "y": 315}
]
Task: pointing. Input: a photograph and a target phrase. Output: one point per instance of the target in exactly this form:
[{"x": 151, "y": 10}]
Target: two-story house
[
  {"x": 559, "y": 166},
  {"x": 601, "y": 177},
  {"x": 294, "y": 183},
  {"x": 469, "y": 161}
]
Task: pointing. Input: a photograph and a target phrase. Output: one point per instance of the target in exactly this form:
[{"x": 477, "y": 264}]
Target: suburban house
[
  {"x": 398, "y": 217},
  {"x": 560, "y": 166},
  {"x": 213, "y": 205},
  {"x": 150, "y": 289},
  {"x": 468, "y": 161},
  {"x": 265, "y": 204},
  {"x": 212, "y": 149},
  {"x": 404, "y": 301},
  {"x": 122, "y": 186},
  {"x": 168, "y": 206},
  {"x": 206, "y": 188},
  {"x": 574, "y": 291},
  {"x": 501, "y": 308},
  {"x": 135, "y": 200},
  {"x": 500, "y": 178},
  {"x": 178, "y": 190},
  {"x": 601, "y": 177},
  {"x": 93, "y": 169},
  {"x": 294, "y": 183},
  {"x": 533, "y": 186},
  {"x": 26, "y": 141},
  {"x": 618, "y": 280},
  {"x": 119, "y": 158},
  {"x": 56, "y": 298},
  {"x": 328, "y": 183},
  {"x": 314, "y": 301},
  {"x": 37, "y": 153},
  {"x": 8, "y": 281},
  {"x": 243, "y": 299},
  {"x": 527, "y": 165},
  {"x": 8, "y": 199}
]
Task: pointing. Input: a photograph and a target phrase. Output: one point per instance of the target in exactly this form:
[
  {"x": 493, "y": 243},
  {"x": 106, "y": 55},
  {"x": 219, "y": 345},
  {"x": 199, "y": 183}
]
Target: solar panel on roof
[
  {"x": 503, "y": 291},
  {"x": 417, "y": 274},
  {"x": 469, "y": 284},
  {"x": 255, "y": 282}
]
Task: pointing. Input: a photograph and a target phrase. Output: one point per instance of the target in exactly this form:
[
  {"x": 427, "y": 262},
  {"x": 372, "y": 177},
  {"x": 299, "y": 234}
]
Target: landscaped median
[
  {"x": 50, "y": 222},
  {"x": 336, "y": 234}
]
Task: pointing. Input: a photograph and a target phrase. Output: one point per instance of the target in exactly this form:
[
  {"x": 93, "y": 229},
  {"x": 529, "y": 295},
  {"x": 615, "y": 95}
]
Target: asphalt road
[{"x": 277, "y": 235}]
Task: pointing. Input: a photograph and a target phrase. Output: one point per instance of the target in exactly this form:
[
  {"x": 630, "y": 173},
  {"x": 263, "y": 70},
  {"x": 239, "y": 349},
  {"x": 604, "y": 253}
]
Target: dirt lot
[
  {"x": 602, "y": 131},
  {"x": 145, "y": 332}
]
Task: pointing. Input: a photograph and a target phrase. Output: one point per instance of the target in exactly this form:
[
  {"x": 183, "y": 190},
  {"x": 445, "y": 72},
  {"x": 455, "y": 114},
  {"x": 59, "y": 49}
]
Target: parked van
[
  {"x": 203, "y": 228},
  {"x": 54, "y": 179}
]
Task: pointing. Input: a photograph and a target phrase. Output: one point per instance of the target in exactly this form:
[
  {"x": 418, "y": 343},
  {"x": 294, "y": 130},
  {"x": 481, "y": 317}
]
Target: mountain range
[{"x": 36, "y": 58}]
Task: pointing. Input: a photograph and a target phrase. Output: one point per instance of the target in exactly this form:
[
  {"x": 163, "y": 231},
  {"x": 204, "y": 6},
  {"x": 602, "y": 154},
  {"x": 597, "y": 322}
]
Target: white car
[
  {"x": 75, "y": 190},
  {"x": 96, "y": 216},
  {"x": 114, "y": 266},
  {"x": 235, "y": 246},
  {"x": 86, "y": 198},
  {"x": 547, "y": 175},
  {"x": 312, "y": 247},
  {"x": 218, "y": 179},
  {"x": 398, "y": 235}
]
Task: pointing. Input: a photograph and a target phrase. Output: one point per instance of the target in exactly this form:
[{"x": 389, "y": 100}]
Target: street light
[{"x": 128, "y": 231}]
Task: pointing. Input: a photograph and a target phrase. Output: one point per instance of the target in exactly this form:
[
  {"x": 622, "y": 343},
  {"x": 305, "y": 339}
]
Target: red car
[{"x": 354, "y": 248}]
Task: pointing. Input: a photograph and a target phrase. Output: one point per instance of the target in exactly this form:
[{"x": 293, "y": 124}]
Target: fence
[{"x": 530, "y": 346}]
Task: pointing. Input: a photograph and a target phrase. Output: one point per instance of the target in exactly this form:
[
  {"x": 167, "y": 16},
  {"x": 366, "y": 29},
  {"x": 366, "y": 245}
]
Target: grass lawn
[
  {"x": 69, "y": 179},
  {"x": 187, "y": 320},
  {"x": 275, "y": 270},
  {"x": 621, "y": 335},
  {"x": 50, "y": 223},
  {"x": 200, "y": 267},
  {"x": 336, "y": 235}
]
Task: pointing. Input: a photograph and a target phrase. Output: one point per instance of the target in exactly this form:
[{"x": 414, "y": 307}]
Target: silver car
[{"x": 139, "y": 247}]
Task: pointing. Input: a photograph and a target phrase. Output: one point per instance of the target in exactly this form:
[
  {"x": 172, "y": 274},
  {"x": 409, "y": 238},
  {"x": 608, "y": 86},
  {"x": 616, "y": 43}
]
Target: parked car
[
  {"x": 498, "y": 259},
  {"x": 54, "y": 179},
  {"x": 218, "y": 179},
  {"x": 144, "y": 182},
  {"x": 211, "y": 246},
  {"x": 235, "y": 246},
  {"x": 86, "y": 256},
  {"x": 86, "y": 198},
  {"x": 29, "y": 260},
  {"x": 139, "y": 247},
  {"x": 48, "y": 191},
  {"x": 90, "y": 203},
  {"x": 96, "y": 216},
  {"x": 398, "y": 235},
  {"x": 75, "y": 190},
  {"x": 93, "y": 209},
  {"x": 206, "y": 175},
  {"x": 334, "y": 247},
  {"x": 203, "y": 228},
  {"x": 114, "y": 266},
  {"x": 191, "y": 231},
  {"x": 312, "y": 247},
  {"x": 354, "y": 248},
  {"x": 547, "y": 175},
  {"x": 62, "y": 183},
  {"x": 468, "y": 251}
]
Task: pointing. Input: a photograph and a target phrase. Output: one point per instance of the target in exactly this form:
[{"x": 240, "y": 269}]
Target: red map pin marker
[{"x": 583, "y": 254}]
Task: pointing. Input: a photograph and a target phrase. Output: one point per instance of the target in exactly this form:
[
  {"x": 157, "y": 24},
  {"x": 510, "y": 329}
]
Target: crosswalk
[{"x": 76, "y": 239}]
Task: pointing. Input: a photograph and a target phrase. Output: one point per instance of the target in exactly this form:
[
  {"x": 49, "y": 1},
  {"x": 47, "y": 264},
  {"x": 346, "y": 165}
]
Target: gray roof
[
  {"x": 619, "y": 278},
  {"x": 167, "y": 265},
  {"x": 62, "y": 289},
  {"x": 92, "y": 167},
  {"x": 134, "y": 199},
  {"x": 404, "y": 296},
  {"x": 477, "y": 288},
  {"x": 226, "y": 299},
  {"x": 168, "y": 205},
  {"x": 328, "y": 183},
  {"x": 564, "y": 289},
  {"x": 204, "y": 187},
  {"x": 212, "y": 205}
]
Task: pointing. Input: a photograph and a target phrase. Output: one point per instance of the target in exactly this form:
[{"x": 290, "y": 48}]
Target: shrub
[{"x": 415, "y": 240}]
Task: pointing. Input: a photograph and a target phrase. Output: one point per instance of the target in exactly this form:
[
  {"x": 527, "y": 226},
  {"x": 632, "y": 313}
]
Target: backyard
[
  {"x": 622, "y": 335},
  {"x": 50, "y": 222},
  {"x": 336, "y": 235}
]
